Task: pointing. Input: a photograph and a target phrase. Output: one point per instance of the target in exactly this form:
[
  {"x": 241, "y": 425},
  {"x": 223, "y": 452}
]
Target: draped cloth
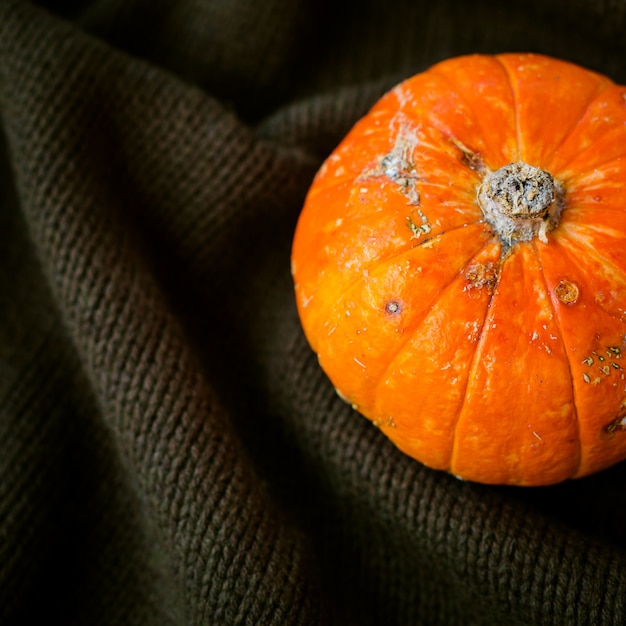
[{"x": 170, "y": 451}]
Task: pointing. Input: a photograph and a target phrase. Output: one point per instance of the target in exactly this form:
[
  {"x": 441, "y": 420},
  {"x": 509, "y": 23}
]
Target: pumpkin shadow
[{"x": 589, "y": 505}]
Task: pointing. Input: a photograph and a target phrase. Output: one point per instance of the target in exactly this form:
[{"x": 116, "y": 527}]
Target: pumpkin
[{"x": 460, "y": 268}]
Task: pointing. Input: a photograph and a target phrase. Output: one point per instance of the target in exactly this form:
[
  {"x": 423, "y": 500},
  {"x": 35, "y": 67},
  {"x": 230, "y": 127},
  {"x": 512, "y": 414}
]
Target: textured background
[{"x": 170, "y": 452}]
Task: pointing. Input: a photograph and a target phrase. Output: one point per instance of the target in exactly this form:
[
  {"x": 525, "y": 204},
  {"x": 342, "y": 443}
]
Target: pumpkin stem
[{"x": 520, "y": 202}]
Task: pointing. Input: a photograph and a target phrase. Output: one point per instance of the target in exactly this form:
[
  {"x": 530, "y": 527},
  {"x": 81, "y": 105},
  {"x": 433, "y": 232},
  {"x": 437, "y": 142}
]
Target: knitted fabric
[{"x": 170, "y": 451}]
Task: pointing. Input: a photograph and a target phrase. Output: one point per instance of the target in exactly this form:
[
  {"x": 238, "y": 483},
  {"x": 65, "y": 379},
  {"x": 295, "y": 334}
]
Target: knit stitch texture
[{"x": 170, "y": 451}]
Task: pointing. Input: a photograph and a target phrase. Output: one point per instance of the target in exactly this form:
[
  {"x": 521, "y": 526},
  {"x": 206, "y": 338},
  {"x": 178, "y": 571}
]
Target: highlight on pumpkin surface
[{"x": 460, "y": 271}]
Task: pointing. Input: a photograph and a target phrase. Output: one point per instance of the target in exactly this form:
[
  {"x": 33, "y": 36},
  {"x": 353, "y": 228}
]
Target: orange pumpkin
[{"x": 460, "y": 268}]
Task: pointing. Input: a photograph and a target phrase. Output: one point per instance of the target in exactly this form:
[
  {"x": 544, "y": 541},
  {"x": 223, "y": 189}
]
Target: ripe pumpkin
[{"x": 460, "y": 268}]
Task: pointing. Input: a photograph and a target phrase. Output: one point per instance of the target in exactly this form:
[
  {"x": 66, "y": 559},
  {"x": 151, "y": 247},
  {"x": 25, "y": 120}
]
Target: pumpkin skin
[{"x": 495, "y": 356}]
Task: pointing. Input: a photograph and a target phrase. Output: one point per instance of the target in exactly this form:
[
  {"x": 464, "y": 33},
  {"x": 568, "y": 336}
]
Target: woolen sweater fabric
[{"x": 170, "y": 451}]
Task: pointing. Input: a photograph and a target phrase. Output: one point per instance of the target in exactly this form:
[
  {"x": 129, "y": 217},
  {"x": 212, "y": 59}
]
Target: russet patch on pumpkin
[{"x": 460, "y": 268}]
